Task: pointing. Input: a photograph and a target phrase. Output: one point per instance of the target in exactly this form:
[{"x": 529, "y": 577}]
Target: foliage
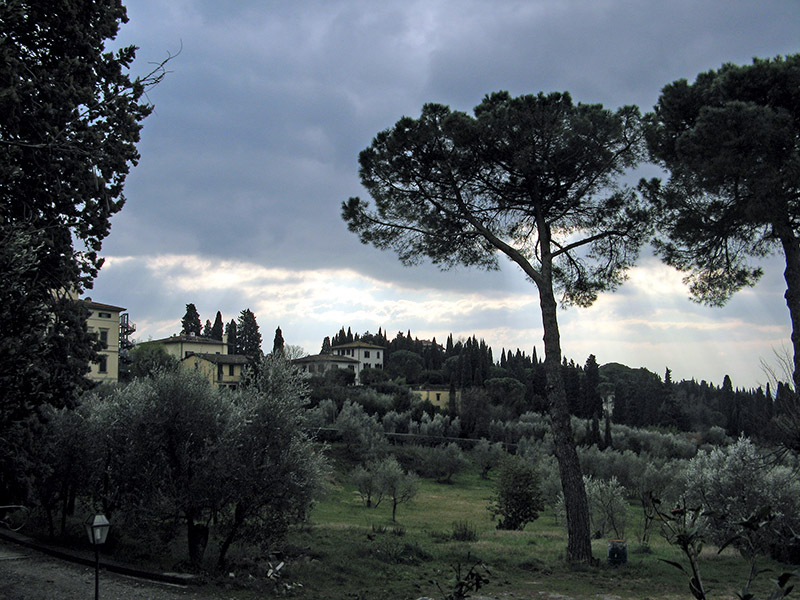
[
  {"x": 487, "y": 456},
  {"x": 70, "y": 122},
  {"x": 471, "y": 581},
  {"x": 362, "y": 433},
  {"x": 271, "y": 469},
  {"x": 405, "y": 364},
  {"x": 170, "y": 448},
  {"x": 365, "y": 479},
  {"x": 277, "y": 342},
  {"x": 442, "y": 462},
  {"x": 607, "y": 505},
  {"x": 518, "y": 495},
  {"x": 534, "y": 178},
  {"x": 248, "y": 336},
  {"x": 684, "y": 527},
  {"x": 149, "y": 359},
  {"x": 464, "y": 531},
  {"x": 729, "y": 141},
  {"x": 731, "y": 483},
  {"x": 190, "y": 323},
  {"x": 396, "y": 484}
]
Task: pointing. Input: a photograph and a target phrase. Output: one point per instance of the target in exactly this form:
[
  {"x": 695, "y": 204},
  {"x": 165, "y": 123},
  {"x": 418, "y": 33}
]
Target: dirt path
[{"x": 29, "y": 575}]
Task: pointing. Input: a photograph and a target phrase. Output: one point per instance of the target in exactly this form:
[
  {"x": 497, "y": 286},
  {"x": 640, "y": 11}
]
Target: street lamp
[{"x": 97, "y": 530}]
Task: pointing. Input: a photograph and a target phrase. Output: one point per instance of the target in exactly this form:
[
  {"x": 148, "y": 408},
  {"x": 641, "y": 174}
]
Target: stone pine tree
[
  {"x": 230, "y": 332},
  {"x": 730, "y": 143},
  {"x": 248, "y": 336},
  {"x": 190, "y": 324},
  {"x": 535, "y": 178},
  {"x": 217, "y": 328}
]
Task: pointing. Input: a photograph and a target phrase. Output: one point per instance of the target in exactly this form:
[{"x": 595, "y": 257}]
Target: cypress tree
[
  {"x": 230, "y": 331},
  {"x": 326, "y": 346},
  {"x": 217, "y": 328},
  {"x": 190, "y": 324},
  {"x": 248, "y": 336},
  {"x": 207, "y": 329},
  {"x": 277, "y": 343}
]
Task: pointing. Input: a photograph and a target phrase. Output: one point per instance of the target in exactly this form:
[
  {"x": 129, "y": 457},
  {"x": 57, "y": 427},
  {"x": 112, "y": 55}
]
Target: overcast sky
[{"x": 254, "y": 142}]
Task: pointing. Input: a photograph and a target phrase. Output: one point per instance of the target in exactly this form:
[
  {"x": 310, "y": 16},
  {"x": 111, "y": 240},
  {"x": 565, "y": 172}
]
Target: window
[
  {"x": 102, "y": 364},
  {"x": 438, "y": 396},
  {"x": 104, "y": 315},
  {"x": 378, "y": 354},
  {"x": 230, "y": 370},
  {"x": 219, "y": 371},
  {"x": 104, "y": 337},
  {"x": 366, "y": 353}
]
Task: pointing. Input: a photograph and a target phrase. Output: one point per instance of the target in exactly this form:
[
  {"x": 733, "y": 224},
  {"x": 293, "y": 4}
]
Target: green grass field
[{"x": 349, "y": 551}]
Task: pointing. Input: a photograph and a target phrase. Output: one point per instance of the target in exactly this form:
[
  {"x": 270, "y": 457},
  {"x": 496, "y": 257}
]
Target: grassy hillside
[{"x": 350, "y": 551}]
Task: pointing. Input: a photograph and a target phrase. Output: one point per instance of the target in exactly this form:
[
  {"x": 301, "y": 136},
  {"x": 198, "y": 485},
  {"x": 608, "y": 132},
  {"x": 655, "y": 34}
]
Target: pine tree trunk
[
  {"x": 791, "y": 251},
  {"x": 579, "y": 546}
]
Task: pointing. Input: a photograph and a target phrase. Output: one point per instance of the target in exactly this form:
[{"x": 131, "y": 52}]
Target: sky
[{"x": 254, "y": 141}]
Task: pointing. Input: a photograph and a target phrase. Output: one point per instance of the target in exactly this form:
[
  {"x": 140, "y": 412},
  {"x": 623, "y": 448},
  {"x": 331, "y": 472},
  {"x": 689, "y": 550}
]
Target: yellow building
[
  {"x": 437, "y": 395},
  {"x": 104, "y": 321},
  {"x": 221, "y": 370}
]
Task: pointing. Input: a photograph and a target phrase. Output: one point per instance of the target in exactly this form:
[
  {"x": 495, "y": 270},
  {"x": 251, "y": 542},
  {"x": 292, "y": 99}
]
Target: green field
[{"x": 349, "y": 551}]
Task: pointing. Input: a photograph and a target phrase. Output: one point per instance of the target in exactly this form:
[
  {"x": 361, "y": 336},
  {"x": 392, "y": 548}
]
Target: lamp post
[{"x": 97, "y": 530}]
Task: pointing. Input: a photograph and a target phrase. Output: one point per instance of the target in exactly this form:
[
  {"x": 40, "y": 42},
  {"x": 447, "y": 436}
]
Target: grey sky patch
[{"x": 255, "y": 138}]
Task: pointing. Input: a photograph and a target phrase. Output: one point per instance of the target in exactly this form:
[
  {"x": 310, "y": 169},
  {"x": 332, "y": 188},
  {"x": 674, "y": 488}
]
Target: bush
[
  {"x": 361, "y": 433},
  {"x": 487, "y": 456},
  {"x": 464, "y": 531},
  {"x": 733, "y": 482},
  {"x": 518, "y": 497}
]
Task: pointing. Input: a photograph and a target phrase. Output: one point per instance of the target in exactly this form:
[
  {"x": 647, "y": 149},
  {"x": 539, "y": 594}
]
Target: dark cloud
[{"x": 254, "y": 142}]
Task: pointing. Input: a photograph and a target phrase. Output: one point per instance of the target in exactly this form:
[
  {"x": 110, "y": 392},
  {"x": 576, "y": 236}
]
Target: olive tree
[{"x": 535, "y": 178}]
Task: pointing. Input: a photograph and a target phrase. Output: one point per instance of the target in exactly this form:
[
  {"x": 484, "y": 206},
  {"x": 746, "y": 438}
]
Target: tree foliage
[
  {"x": 248, "y": 335},
  {"x": 190, "y": 323},
  {"x": 70, "y": 117},
  {"x": 518, "y": 495},
  {"x": 534, "y": 178},
  {"x": 729, "y": 141}
]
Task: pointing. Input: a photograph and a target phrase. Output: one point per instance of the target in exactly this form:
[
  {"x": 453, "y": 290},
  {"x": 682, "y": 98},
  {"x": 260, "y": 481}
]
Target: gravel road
[{"x": 29, "y": 575}]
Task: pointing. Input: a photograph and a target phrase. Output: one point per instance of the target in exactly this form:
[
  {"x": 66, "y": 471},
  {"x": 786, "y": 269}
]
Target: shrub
[
  {"x": 464, "y": 531},
  {"x": 361, "y": 433},
  {"x": 487, "y": 456},
  {"x": 733, "y": 482},
  {"x": 518, "y": 497}
]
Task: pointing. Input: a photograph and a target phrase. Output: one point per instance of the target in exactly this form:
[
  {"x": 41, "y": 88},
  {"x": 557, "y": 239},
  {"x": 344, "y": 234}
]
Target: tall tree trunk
[
  {"x": 579, "y": 545},
  {"x": 791, "y": 251}
]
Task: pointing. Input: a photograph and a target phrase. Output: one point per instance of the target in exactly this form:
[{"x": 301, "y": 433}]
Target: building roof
[
  {"x": 177, "y": 339},
  {"x": 99, "y": 305},
  {"x": 221, "y": 359},
  {"x": 326, "y": 358},
  {"x": 358, "y": 345}
]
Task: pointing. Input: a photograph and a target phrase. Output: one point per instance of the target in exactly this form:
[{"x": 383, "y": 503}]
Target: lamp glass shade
[{"x": 97, "y": 529}]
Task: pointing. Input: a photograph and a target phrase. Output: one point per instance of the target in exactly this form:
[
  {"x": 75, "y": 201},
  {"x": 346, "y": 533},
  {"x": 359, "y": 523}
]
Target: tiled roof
[
  {"x": 222, "y": 359},
  {"x": 195, "y": 339},
  {"x": 358, "y": 345},
  {"x": 325, "y": 358},
  {"x": 100, "y": 306}
]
